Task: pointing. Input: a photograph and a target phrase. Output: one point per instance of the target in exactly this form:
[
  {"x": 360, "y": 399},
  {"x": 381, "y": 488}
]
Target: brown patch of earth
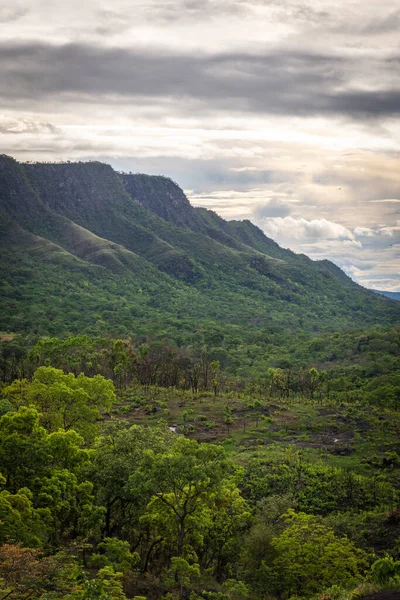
[{"x": 6, "y": 337}]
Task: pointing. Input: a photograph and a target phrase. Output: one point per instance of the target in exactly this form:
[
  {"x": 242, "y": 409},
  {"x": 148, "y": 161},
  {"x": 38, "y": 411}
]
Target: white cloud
[
  {"x": 288, "y": 229},
  {"x": 389, "y": 200},
  {"x": 15, "y": 126},
  {"x": 364, "y": 232}
]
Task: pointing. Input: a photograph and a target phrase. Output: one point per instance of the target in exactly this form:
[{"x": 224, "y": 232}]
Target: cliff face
[
  {"x": 17, "y": 196},
  {"x": 163, "y": 197},
  {"x": 166, "y": 199}
]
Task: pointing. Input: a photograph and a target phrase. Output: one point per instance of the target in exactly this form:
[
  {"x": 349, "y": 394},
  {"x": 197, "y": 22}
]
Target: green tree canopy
[
  {"x": 64, "y": 400},
  {"x": 310, "y": 557}
]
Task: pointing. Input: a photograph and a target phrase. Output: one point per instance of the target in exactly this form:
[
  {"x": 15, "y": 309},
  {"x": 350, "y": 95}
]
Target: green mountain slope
[{"x": 85, "y": 248}]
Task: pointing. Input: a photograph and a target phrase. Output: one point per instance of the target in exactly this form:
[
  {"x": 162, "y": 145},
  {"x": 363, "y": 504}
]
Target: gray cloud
[
  {"x": 194, "y": 9},
  {"x": 8, "y": 14},
  {"x": 111, "y": 22},
  {"x": 188, "y": 10},
  {"x": 291, "y": 83},
  {"x": 272, "y": 208},
  {"x": 273, "y": 10},
  {"x": 386, "y": 22}
]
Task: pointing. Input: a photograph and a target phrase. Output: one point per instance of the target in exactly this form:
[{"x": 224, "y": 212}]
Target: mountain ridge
[
  {"x": 392, "y": 295},
  {"x": 144, "y": 232}
]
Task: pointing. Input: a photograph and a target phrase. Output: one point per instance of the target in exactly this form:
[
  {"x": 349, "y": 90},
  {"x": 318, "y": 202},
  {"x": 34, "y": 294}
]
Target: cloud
[
  {"x": 288, "y": 229},
  {"x": 229, "y": 203},
  {"x": 284, "y": 82},
  {"x": 387, "y": 200},
  {"x": 21, "y": 126},
  {"x": 187, "y": 11},
  {"x": 364, "y": 232},
  {"x": 110, "y": 21},
  {"x": 11, "y": 13},
  {"x": 273, "y": 208},
  {"x": 386, "y": 22}
]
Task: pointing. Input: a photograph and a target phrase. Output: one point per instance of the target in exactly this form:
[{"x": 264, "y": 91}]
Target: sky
[{"x": 283, "y": 112}]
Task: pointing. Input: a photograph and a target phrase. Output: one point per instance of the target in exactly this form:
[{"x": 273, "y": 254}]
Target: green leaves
[
  {"x": 309, "y": 557},
  {"x": 115, "y": 553},
  {"x": 194, "y": 504},
  {"x": 46, "y": 495},
  {"x": 19, "y": 520},
  {"x": 64, "y": 401},
  {"x": 386, "y": 571}
]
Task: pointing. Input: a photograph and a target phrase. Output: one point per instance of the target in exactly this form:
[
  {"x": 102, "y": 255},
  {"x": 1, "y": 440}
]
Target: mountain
[
  {"x": 392, "y": 295},
  {"x": 87, "y": 249}
]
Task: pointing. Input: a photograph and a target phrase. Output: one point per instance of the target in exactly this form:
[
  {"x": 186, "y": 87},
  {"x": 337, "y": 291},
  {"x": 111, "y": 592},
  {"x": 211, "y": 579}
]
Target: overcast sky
[{"x": 284, "y": 112}]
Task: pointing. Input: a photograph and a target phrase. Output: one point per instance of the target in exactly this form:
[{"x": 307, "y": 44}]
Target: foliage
[
  {"x": 309, "y": 557},
  {"x": 64, "y": 401},
  {"x": 386, "y": 571}
]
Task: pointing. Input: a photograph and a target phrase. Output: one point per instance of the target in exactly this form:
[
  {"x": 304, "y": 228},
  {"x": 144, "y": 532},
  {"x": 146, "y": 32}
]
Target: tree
[
  {"x": 19, "y": 520},
  {"x": 64, "y": 401},
  {"x": 23, "y": 448},
  {"x": 70, "y": 504},
  {"x": 313, "y": 381},
  {"x": 26, "y": 573},
  {"x": 106, "y": 585},
  {"x": 116, "y": 554},
  {"x": 46, "y": 494},
  {"x": 222, "y": 541},
  {"x": 12, "y": 360},
  {"x": 182, "y": 483},
  {"x": 386, "y": 571},
  {"x": 310, "y": 557},
  {"x": 122, "y": 360},
  {"x": 181, "y": 575},
  {"x": 215, "y": 382},
  {"x": 228, "y": 418},
  {"x": 256, "y": 407},
  {"x": 117, "y": 456}
]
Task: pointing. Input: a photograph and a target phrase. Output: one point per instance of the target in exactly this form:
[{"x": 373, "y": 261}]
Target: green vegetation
[
  {"x": 133, "y": 470},
  {"x": 81, "y": 255},
  {"x": 187, "y": 410}
]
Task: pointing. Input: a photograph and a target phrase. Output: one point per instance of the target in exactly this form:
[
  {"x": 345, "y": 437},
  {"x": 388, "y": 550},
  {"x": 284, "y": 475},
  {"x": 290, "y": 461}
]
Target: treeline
[
  {"x": 195, "y": 368},
  {"x": 153, "y": 364},
  {"x": 160, "y": 364}
]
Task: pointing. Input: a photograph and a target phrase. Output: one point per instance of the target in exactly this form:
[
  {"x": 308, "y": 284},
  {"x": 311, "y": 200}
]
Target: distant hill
[
  {"x": 392, "y": 295},
  {"x": 87, "y": 249}
]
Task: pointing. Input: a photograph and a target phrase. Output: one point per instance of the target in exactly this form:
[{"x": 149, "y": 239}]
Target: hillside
[
  {"x": 392, "y": 295},
  {"x": 86, "y": 249}
]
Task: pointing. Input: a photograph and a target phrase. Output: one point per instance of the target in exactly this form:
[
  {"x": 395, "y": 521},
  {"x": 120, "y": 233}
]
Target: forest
[{"x": 133, "y": 468}]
